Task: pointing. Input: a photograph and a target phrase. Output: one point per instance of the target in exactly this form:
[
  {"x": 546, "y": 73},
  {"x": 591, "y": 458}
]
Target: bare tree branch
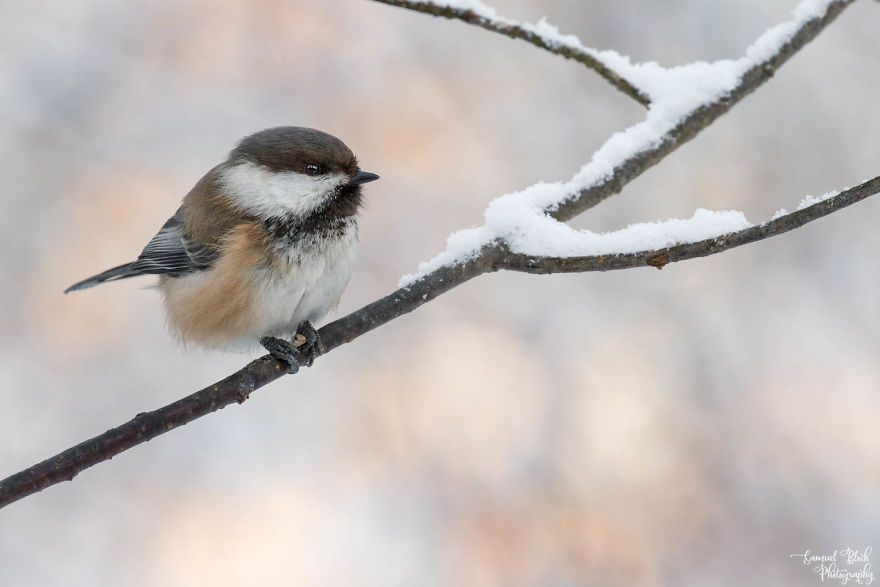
[
  {"x": 233, "y": 389},
  {"x": 517, "y": 31},
  {"x": 493, "y": 256}
]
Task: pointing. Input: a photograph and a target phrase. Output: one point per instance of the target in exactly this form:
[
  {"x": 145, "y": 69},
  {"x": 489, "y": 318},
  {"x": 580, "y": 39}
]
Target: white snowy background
[{"x": 689, "y": 426}]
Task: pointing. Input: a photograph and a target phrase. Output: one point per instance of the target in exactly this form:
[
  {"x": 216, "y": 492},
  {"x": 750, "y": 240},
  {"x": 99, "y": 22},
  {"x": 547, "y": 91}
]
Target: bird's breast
[
  {"x": 255, "y": 291},
  {"x": 306, "y": 278}
]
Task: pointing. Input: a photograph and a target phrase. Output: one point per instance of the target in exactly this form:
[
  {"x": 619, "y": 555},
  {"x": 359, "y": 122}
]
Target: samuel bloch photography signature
[{"x": 844, "y": 566}]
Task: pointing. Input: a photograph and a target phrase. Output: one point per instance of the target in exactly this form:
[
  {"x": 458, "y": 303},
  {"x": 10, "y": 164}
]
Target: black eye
[{"x": 313, "y": 168}]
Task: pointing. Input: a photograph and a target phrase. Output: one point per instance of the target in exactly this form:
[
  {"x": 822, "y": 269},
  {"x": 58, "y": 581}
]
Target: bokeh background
[{"x": 690, "y": 426}]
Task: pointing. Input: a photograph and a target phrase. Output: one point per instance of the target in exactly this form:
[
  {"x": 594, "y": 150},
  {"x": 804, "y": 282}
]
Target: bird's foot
[
  {"x": 284, "y": 351},
  {"x": 311, "y": 342},
  {"x": 302, "y": 351}
]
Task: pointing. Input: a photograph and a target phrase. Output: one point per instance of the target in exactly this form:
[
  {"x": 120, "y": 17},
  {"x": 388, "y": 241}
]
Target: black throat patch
[{"x": 330, "y": 221}]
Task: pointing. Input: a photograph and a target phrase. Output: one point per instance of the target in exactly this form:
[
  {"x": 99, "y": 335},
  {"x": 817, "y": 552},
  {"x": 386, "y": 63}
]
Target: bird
[{"x": 261, "y": 247}]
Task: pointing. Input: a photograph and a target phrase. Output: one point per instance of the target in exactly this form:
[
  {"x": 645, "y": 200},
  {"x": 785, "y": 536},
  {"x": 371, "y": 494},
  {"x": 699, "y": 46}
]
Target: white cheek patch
[{"x": 270, "y": 194}]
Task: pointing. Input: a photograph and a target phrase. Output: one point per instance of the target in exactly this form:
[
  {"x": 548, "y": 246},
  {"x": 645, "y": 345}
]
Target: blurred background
[{"x": 690, "y": 426}]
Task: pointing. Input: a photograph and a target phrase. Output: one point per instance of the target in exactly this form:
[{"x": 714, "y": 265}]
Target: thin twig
[{"x": 516, "y": 31}]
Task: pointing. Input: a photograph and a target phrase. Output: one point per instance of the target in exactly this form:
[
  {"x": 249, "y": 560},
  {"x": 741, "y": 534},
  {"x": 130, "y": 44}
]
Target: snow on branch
[
  {"x": 659, "y": 243},
  {"x": 541, "y": 34},
  {"x": 684, "y": 100}
]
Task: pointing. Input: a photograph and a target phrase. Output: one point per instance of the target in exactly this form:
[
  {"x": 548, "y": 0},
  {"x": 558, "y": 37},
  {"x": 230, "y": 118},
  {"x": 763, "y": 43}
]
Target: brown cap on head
[{"x": 292, "y": 148}]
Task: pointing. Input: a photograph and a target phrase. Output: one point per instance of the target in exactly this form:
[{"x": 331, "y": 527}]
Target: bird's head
[{"x": 291, "y": 171}]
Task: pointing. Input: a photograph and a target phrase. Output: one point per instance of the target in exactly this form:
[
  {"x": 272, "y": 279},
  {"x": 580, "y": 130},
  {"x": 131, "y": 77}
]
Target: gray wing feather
[{"x": 170, "y": 253}]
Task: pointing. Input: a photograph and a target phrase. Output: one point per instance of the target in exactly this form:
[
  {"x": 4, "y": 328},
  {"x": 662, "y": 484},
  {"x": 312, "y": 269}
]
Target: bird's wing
[{"x": 171, "y": 253}]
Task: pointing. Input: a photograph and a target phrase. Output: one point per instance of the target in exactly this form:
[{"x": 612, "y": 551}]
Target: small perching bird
[{"x": 262, "y": 246}]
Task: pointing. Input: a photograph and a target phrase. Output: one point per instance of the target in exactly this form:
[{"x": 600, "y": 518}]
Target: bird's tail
[{"x": 121, "y": 272}]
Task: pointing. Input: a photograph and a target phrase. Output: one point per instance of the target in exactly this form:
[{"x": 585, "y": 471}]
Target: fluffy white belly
[{"x": 315, "y": 273}]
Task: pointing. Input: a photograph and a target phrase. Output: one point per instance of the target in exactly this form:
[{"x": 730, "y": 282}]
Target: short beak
[{"x": 363, "y": 177}]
